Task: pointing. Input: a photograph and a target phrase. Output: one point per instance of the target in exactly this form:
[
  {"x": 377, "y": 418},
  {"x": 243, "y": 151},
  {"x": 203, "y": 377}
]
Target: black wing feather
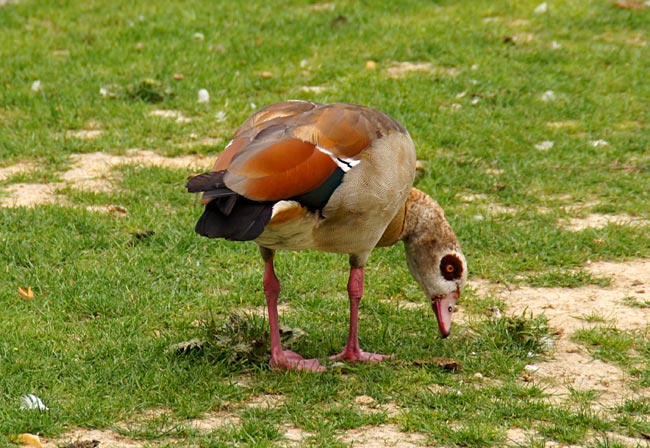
[{"x": 228, "y": 215}]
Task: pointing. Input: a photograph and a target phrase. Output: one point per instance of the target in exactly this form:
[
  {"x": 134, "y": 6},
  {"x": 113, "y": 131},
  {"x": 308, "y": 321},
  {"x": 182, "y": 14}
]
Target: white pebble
[
  {"x": 545, "y": 145},
  {"x": 542, "y": 8},
  {"x": 598, "y": 143},
  {"x": 204, "y": 96},
  {"x": 549, "y": 95},
  {"x": 37, "y": 86}
]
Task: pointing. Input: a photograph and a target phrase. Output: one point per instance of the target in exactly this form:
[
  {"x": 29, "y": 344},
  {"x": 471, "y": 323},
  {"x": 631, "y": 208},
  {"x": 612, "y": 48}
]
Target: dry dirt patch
[
  {"x": 91, "y": 172},
  {"x": 597, "y": 221},
  {"x": 402, "y": 69},
  {"x": 22, "y": 167},
  {"x": 381, "y": 436}
]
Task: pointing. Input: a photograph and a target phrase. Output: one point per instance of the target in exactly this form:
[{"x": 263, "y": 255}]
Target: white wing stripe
[{"x": 344, "y": 163}]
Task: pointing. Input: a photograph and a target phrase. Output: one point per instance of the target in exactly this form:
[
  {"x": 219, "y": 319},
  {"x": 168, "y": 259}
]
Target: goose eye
[{"x": 451, "y": 267}]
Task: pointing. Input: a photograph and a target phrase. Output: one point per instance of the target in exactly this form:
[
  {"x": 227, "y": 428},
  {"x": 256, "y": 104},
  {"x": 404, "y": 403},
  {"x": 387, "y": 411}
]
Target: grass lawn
[{"x": 524, "y": 117}]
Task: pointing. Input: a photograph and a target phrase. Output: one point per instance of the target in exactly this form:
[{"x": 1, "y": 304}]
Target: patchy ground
[
  {"x": 93, "y": 172},
  {"x": 568, "y": 309}
]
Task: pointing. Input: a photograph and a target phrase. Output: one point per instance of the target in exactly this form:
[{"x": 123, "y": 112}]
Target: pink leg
[
  {"x": 352, "y": 352},
  {"x": 281, "y": 359}
]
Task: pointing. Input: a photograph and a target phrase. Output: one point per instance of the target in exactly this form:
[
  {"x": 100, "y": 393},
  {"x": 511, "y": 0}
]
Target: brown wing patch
[
  {"x": 271, "y": 176},
  {"x": 224, "y": 159},
  {"x": 339, "y": 128},
  {"x": 270, "y": 158},
  {"x": 274, "y": 154},
  {"x": 273, "y": 113}
]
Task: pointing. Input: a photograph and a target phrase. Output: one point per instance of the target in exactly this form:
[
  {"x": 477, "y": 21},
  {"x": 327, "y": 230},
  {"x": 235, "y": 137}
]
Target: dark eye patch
[{"x": 451, "y": 267}]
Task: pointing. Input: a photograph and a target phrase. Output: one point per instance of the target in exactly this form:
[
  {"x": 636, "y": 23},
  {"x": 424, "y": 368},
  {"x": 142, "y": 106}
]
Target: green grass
[{"x": 113, "y": 293}]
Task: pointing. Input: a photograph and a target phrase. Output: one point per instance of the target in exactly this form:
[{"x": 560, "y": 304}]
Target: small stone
[
  {"x": 531, "y": 368},
  {"x": 542, "y": 8},
  {"x": 37, "y": 86},
  {"x": 266, "y": 75},
  {"x": 139, "y": 46},
  {"x": 178, "y": 76},
  {"x": 204, "y": 96},
  {"x": 598, "y": 143},
  {"x": 198, "y": 36},
  {"x": 548, "y": 96},
  {"x": 544, "y": 146},
  {"x": 371, "y": 65}
]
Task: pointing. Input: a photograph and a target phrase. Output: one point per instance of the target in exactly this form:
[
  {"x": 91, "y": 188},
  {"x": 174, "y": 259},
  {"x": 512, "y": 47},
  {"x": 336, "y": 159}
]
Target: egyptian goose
[{"x": 337, "y": 178}]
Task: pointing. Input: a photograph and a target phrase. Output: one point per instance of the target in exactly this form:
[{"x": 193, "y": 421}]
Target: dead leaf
[
  {"x": 26, "y": 293},
  {"x": 29, "y": 440}
]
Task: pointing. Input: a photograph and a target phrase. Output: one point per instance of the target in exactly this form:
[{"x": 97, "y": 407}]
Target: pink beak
[{"x": 444, "y": 306}]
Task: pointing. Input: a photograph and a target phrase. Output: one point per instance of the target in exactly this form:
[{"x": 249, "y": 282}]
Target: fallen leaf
[
  {"x": 26, "y": 293},
  {"x": 117, "y": 209},
  {"x": 29, "y": 440},
  {"x": 32, "y": 401}
]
